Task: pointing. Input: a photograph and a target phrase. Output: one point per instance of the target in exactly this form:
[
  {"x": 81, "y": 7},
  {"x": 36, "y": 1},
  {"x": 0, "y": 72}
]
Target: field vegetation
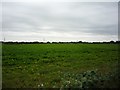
[{"x": 60, "y": 66}]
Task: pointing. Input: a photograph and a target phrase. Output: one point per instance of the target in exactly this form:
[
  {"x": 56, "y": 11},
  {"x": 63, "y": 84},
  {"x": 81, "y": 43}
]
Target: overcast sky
[{"x": 60, "y": 21}]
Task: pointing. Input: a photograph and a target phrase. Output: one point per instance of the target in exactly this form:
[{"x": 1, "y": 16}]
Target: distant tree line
[{"x": 79, "y": 42}]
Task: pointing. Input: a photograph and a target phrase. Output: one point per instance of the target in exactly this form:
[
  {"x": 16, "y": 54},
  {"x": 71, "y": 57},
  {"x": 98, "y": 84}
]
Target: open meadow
[{"x": 59, "y": 65}]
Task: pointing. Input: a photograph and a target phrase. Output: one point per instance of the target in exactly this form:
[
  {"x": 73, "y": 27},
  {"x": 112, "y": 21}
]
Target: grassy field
[{"x": 49, "y": 65}]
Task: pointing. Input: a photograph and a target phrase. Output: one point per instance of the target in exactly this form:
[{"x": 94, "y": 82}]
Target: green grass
[{"x": 44, "y": 65}]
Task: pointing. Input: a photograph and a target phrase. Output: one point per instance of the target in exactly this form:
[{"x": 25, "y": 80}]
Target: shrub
[{"x": 89, "y": 79}]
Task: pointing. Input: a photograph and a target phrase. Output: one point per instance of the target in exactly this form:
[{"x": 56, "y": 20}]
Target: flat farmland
[{"x": 57, "y": 65}]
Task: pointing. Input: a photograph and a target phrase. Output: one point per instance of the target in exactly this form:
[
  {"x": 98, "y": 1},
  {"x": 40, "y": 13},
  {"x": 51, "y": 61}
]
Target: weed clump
[{"x": 88, "y": 79}]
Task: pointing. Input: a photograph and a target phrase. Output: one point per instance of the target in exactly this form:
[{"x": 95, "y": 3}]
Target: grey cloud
[{"x": 95, "y": 18}]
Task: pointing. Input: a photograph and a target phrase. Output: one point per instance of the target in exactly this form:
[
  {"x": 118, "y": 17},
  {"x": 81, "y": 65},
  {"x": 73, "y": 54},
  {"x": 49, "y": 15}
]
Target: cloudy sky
[{"x": 60, "y": 21}]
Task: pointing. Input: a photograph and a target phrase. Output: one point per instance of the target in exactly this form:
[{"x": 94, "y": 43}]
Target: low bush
[{"x": 89, "y": 79}]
